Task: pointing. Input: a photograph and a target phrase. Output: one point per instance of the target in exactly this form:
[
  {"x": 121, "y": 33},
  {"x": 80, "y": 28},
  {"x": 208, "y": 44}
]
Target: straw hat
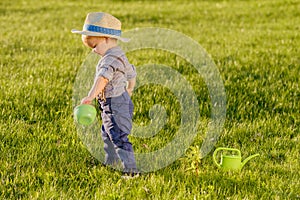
[{"x": 101, "y": 24}]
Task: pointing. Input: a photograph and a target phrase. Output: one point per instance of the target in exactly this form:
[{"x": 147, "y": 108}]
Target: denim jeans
[{"x": 116, "y": 117}]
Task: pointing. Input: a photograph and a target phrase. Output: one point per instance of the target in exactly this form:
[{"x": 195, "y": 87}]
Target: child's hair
[
  {"x": 88, "y": 37},
  {"x": 85, "y": 39}
]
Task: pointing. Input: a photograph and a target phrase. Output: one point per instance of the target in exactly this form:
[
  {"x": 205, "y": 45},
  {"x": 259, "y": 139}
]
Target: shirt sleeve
[
  {"x": 107, "y": 67},
  {"x": 131, "y": 72},
  {"x": 105, "y": 71}
]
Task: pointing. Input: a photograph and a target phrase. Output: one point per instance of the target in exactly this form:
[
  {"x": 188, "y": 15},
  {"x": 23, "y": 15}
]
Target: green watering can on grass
[{"x": 231, "y": 161}]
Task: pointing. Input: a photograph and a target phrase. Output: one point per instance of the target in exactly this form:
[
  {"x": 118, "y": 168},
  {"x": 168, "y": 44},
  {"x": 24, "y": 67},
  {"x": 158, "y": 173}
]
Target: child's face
[{"x": 96, "y": 43}]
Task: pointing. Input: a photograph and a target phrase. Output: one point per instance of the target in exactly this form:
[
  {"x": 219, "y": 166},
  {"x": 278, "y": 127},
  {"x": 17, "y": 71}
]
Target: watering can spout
[{"x": 247, "y": 159}]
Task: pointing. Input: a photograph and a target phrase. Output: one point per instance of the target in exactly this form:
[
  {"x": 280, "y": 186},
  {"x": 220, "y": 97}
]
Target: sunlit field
[{"x": 255, "y": 46}]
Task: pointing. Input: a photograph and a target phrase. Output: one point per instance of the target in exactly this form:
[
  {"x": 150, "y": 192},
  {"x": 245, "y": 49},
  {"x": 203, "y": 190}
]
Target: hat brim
[{"x": 90, "y": 33}]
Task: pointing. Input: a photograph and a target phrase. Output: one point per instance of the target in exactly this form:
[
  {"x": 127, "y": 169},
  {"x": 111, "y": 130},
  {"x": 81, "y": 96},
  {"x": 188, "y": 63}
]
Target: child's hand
[
  {"x": 87, "y": 100},
  {"x": 129, "y": 91},
  {"x": 130, "y": 86}
]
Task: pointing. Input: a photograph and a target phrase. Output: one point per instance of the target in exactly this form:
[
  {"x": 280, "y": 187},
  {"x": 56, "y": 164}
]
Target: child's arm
[
  {"x": 97, "y": 88},
  {"x": 130, "y": 86}
]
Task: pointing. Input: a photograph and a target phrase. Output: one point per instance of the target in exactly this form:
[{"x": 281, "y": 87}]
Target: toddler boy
[{"x": 113, "y": 86}]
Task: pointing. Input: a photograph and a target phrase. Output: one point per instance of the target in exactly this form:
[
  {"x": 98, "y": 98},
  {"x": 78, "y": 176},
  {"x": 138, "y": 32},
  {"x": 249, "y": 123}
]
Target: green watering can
[
  {"x": 85, "y": 114},
  {"x": 232, "y": 161}
]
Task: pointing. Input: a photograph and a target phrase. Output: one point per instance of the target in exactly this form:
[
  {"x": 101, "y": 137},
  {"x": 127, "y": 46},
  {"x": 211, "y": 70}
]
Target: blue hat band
[{"x": 103, "y": 30}]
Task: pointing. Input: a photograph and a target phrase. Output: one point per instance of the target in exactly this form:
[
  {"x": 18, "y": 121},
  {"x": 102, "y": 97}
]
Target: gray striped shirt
[{"x": 115, "y": 66}]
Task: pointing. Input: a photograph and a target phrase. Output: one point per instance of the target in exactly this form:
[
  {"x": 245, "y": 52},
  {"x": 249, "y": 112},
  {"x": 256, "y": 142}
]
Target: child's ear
[{"x": 84, "y": 40}]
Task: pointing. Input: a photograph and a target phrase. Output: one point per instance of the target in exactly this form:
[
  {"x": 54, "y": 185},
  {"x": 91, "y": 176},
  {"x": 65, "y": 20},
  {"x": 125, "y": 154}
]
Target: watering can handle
[{"x": 223, "y": 148}]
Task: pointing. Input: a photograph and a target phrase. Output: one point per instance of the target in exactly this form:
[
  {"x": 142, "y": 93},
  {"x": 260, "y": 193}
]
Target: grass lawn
[{"x": 255, "y": 46}]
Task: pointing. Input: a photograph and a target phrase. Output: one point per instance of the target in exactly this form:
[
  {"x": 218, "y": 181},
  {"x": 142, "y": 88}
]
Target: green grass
[{"x": 255, "y": 45}]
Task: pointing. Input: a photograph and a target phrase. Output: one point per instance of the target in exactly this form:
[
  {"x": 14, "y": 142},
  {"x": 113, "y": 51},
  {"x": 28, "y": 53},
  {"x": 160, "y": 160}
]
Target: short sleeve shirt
[{"x": 115, "y": 67}]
